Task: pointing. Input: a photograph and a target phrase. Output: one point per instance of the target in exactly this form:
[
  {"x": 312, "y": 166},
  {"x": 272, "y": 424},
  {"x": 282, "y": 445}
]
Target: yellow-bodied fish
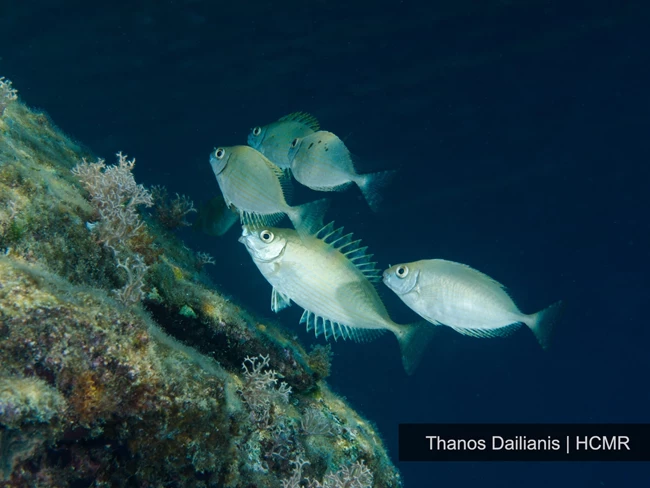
[
  {"x": 468, "y": 301},
  {"x": 253, "y": 185},
  {"x": 322, "y": 162},
  {"x": 329, "y": 275},
  {"x": 273, "y": 140}
]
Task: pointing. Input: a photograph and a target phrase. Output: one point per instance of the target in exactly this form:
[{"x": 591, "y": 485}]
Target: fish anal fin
[
  {"x": 332, "y": 329},
  {"x": 341, "y": 187},
  {"x": 489, "y": 333}
]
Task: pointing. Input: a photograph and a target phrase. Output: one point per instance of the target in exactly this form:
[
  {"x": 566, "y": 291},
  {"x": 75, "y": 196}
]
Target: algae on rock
[{"x": 98, "y": 391}]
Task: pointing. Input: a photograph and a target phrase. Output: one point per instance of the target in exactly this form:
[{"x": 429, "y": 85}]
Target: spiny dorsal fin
[
  {"x": 284, "y": 178},
  {"x": 304, "y": 118},
  {"x": 287, "y": 186},
  {"x": 351, "y": 249},
  {"x": 329, "y": 329},
  {"x": 281, "y": 175},
  {"x": 258, "y": 221}
]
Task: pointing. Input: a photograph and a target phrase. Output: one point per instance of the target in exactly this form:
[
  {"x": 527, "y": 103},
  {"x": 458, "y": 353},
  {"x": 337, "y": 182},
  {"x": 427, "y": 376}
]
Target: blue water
[{"x": 520, "y": 130}]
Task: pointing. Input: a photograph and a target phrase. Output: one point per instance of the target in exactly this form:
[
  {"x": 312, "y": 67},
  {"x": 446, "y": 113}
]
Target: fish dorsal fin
[
  {"x": 287, "y": 185},
  {"x": 351, "y": 249},
  {"x": 283, "y": 176},
  {"x": 304, "y": 118},
  {"x": 335, "y": 330},
  {"x": 277, "y": 171},
  {"x": 258, "y": 221},
  {"x": 279, "y": 301}
]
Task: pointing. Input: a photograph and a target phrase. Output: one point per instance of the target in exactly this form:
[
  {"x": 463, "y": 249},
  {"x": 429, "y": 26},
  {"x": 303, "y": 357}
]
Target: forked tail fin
[
  {"x": 308, "y": 218},
  {"x": 542, "y": 322},
  {"x": 372, "y": 184},
  {"x": 413, "y": 341}
]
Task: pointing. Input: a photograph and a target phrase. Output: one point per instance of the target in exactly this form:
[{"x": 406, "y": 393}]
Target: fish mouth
[
  {"x": 245, "y": 232},
  {"x": 255, "y": 253}
]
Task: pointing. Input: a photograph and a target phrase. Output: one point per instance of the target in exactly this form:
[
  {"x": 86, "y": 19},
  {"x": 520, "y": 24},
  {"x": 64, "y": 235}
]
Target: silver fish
[
  {"x": 256, "y": 188},
  {"x": 273, "y": 140},
  {"x": 468, "y": 301},
  {"x": 322, "y": 162},
  {"x": 330, "y": 276}
]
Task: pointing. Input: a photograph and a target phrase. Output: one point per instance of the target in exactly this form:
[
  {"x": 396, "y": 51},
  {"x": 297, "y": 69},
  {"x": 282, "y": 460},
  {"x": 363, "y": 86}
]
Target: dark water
[{"x": 520, "y": 130}]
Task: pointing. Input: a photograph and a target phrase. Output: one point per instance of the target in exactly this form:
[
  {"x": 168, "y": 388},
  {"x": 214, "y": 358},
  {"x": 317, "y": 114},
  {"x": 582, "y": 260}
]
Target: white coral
[
  {"x": 115, "y": 195},
  {"x": 7, "y": 94}
]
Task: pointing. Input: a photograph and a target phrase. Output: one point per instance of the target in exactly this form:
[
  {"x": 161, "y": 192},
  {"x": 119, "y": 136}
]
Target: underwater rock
[{"x": 103, "y": 393}]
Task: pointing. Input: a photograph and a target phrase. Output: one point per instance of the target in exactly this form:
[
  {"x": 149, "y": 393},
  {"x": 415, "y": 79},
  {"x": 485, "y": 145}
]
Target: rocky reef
[{"x": 121, "y": 364}]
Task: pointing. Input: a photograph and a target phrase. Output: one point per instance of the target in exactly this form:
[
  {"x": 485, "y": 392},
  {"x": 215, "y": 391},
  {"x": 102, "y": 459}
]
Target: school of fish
[{"x": 328, "y": 273}]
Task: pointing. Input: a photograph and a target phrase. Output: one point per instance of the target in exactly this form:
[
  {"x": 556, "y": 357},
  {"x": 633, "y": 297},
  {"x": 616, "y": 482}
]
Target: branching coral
[
  {"x": 135, "y": 270},
  {"x": 171, "y": 213},
  {"x": 7, "y": 94},
  {"x": 356, "y": 475},
  {"x": 99, "y": 394},
  {"x": 116, "y": 196},
  {"x": 259, "y": 390},
  {"x": 313, "y": 422}
]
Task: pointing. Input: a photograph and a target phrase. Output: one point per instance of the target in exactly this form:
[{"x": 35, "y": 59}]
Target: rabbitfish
[
  {"x": 253, "y": 185},
  {"x": 468, "y": 301},
  {"x": 329, "y": 275},
  {"x": 273, "y": 140},
  {"x": 322, "y": 162}
]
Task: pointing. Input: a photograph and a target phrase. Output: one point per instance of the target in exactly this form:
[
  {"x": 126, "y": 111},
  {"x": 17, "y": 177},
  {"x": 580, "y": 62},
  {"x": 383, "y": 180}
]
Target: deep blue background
[{"x": 521, "y": 134}]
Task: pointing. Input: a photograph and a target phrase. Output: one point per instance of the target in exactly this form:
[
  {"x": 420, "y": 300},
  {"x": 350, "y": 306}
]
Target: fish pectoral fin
[
  {"x": 489, "y": 333},
  {"x": 279, "y": 301}
]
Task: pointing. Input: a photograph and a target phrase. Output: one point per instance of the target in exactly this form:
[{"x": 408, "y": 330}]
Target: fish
[
  {"x": 273, "y": 140},
  {"x": 470, "y": 302},
  {"x": 331, "y": 276},
  {"x": 257, "y": 188},
  {"x": 322, "y": 162},
  {"x": 214, "y": 217}
]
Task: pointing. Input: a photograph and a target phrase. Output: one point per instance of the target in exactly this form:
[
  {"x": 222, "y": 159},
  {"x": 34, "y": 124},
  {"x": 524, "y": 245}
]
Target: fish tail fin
[
  {"x": 413, "y": 341},
  {"x": 308, "y": 218},
  {"x": 371, "y": 185},
  {"x": 542, "y": 322}
]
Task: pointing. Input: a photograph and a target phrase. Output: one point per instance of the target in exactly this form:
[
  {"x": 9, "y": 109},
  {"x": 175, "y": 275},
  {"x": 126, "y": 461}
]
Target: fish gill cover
[{"x": 95, "y": 389}]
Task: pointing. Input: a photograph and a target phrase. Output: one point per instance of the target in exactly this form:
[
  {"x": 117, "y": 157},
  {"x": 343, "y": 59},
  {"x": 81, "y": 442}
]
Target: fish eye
[
  {"x": 402, "y": 271},
  {"x": 257, "y": 131},
  {"x": 266, "y": 236},
  {"x": 294, "y": 143},
  {"x": 220, "y": 153}
]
